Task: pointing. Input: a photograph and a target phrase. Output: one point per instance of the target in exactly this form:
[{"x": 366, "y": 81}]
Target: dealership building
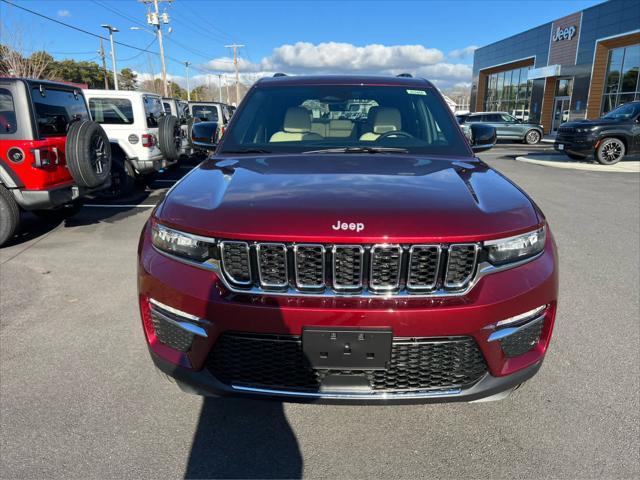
[{"x": 579, "y": 66}]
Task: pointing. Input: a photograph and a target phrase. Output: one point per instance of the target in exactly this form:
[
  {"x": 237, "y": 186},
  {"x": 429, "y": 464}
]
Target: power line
[
  {"x": 118, "y": 13},
  {"x": 73, "y": 27}
]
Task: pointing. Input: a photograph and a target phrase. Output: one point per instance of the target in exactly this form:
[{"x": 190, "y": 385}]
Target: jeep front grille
[{"x": 348, "y": 269}]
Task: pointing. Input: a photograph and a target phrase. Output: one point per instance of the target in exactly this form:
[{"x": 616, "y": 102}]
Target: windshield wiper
[
  {"x": 247, "y": 150},
  {"x": 360, "y": 150}
]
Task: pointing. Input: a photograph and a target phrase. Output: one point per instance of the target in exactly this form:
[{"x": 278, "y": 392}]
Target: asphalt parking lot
[{"x": 79, "y": 396}]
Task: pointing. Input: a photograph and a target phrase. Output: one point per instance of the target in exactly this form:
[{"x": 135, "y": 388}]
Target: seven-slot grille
[{"x": 315, "y": 268}]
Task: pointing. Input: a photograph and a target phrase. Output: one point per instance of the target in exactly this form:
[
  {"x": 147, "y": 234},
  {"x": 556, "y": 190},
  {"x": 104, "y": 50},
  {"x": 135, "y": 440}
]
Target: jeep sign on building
[{"x": 579, "y": 66}]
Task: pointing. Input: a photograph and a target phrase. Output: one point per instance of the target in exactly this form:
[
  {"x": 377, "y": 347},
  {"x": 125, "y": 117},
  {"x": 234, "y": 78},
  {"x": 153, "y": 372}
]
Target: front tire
[
  {"x": 9, "y": 215},
  {"x": 610, "y": 151},
  {"x": 532, "y": 137}
]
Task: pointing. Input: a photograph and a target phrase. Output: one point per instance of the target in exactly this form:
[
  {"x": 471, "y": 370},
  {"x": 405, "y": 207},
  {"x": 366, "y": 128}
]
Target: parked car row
[
  {"x": 609, "y": 138},
  {"x": 59, "y": 143}
]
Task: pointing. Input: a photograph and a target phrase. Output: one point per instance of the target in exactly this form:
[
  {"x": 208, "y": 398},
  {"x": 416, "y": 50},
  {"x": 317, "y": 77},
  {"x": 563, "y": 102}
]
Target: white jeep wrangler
[{"x": 138, "y": 128}]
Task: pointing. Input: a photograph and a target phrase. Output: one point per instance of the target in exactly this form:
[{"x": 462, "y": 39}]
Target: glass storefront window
[
  {"x": 509, "y": 91},
  {"x": 622, "y": 79}
]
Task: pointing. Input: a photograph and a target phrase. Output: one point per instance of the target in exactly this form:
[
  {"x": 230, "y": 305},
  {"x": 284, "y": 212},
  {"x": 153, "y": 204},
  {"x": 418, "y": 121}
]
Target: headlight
[
  {"x": 182, "y": 244},
  {"x": 585, "y": 130},
  {"x": 516, "y": 248}
]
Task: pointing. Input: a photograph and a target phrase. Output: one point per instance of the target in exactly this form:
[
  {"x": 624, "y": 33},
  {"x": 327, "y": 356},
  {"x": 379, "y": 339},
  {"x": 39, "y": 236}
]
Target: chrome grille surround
[
  {"x": 482, "y": 269},
  {"x": 273, "y": 266},
  {"x": 415, "y": 265},
  {"x": 339, "y": 263},
  {"x": 232, "y": 252},
  {"x": 382, "y": 258},
  {"x": 456, "y": 261},
  {"x": 299, "y": 254}
]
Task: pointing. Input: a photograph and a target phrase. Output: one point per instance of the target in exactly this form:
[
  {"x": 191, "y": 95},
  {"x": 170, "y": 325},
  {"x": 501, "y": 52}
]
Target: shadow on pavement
[{"x": 239, "y": 438}]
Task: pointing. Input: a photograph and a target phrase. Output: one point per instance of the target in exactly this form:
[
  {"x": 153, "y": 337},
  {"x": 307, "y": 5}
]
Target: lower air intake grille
[
  {"x": 171, "y": 335},
  {"x": 278, "y": 362},
  {"x": 523, "y": 340}
]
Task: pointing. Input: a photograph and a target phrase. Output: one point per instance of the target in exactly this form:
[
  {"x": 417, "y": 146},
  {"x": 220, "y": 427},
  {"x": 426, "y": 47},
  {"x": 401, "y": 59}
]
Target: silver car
[{"x": 507, "y": 126}]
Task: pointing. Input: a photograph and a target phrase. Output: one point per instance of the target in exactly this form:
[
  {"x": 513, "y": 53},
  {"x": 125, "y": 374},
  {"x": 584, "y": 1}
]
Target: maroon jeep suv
[{"x": 344, "y": 244}]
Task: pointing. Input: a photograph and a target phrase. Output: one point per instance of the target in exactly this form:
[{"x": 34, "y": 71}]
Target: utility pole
[
  {"x": 156, "y": 20},
  {"x": 226, "y": 83},
  {"x": 104, "y": 66},
  {"x": 220, "y": 88},
  {"x": 235, "y": 47},
  {"x": 187, "y": 64},
  {"x": 113, "y": 52}
]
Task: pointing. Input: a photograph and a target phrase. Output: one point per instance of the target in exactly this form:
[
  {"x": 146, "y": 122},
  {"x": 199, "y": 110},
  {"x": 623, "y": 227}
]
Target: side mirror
[
  {"x": 205, "y": 135},
  {"x": 483, "y": 137}
]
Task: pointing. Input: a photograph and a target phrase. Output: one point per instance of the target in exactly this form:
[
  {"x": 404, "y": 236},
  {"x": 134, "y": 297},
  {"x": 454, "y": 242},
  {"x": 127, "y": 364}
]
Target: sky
[{"x": 434, "y": 39}]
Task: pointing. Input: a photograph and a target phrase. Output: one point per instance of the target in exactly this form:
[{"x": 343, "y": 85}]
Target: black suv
[{"x": 609, "y": 138}]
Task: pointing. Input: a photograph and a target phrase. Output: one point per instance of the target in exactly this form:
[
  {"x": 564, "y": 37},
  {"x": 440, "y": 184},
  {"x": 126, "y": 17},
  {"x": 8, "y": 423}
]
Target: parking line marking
[{"x": 120, "y": 205}]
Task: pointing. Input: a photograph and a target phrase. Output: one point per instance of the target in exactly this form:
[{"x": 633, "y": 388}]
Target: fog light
[{"x": 520, "y": 333}]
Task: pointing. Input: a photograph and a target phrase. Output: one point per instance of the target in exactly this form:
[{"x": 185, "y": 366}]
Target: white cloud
[
  {"x": 345, "y": 57},
  {"x": 463, "y": 52},
  {"x": 334, "y": 57},
  {"x": 64, "y": 13}
]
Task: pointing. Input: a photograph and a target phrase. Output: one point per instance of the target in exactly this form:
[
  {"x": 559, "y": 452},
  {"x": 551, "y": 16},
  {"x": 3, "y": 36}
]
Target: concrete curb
[{"x": 557, "y": 162}]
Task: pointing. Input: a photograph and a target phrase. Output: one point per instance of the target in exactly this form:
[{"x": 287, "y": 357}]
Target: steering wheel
[{"x": 394, "y": 133}]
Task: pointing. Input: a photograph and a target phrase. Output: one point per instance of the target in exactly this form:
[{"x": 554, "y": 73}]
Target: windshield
[
  {"x": 206, "y": 113},
  {"x": 355, "y": 117},
  {"x": 624, "y": 112}
]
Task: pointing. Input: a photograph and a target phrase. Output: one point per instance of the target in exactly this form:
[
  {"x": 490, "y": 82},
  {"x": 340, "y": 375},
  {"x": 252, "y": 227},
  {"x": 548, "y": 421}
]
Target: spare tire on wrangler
[
  {"x": 88, "y": 153},
  {"x": 170, "y": 137}
]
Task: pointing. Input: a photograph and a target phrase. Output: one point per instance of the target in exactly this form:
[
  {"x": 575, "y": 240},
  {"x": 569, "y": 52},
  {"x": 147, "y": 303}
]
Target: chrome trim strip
[
  {"x": 483, "y": 269},
  {"x": 347, "y": 395},
  {"x": 223, "y": 244},
  {"x": 488, "y": 243},
  {"x": 333, "y": 267},
  {"x": 473, "y": 270},
  {"x": 283, "y": 247},
  {"x": 175, "y": 311},
  {"x": 503, "y": 333},
  {"x": 386, "y": 288},
  {"x": 437, "y": 274},
  {"x": 295, "y": 264},
  {"x": 186, "y": 326}
]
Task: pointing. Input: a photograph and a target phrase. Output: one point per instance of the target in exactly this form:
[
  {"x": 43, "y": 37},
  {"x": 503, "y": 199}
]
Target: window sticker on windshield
[{"x": 416, "y": 92}]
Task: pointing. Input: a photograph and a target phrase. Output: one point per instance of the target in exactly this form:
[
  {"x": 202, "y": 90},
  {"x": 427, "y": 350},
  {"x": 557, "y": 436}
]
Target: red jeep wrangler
[{"x": 51, "y": 153}]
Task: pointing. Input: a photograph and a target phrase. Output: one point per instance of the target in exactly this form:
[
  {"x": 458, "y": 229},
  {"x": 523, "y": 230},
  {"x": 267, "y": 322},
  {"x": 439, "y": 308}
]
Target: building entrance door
[{"x": 560, "y": 112}]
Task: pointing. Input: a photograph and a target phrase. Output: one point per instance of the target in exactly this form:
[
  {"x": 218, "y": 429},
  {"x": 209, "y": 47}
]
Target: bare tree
[{"x": 15, "y": 61}]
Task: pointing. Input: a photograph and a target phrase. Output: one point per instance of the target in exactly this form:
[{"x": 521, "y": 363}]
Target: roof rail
[
  {"x": 404, "y": 75},
  {"x": 279, "y": 74}
]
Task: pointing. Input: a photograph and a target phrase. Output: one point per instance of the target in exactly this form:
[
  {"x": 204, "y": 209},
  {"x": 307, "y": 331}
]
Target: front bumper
[
  {"x": 204, "y": 383},
  {"x": 578, "y": 144},
  {"x": 497, "y": 296}
]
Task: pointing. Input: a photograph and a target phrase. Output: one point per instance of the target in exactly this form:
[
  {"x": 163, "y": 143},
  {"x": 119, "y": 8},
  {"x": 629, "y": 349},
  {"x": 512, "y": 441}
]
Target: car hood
[
  {"x": 592, "y": 123},
  {"x": 304, "y": 197}
]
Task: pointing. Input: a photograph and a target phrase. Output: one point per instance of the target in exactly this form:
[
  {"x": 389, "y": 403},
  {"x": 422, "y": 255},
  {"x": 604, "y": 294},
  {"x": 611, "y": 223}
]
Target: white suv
[{"x": 131, "y": 121}]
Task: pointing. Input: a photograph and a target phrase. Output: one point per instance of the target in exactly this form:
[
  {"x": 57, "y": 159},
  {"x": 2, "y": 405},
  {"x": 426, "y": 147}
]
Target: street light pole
[
  {"x": 187, "y": 64},
  {"x": 220, "y": 88},
  {"x": 113, "y": 52}
]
